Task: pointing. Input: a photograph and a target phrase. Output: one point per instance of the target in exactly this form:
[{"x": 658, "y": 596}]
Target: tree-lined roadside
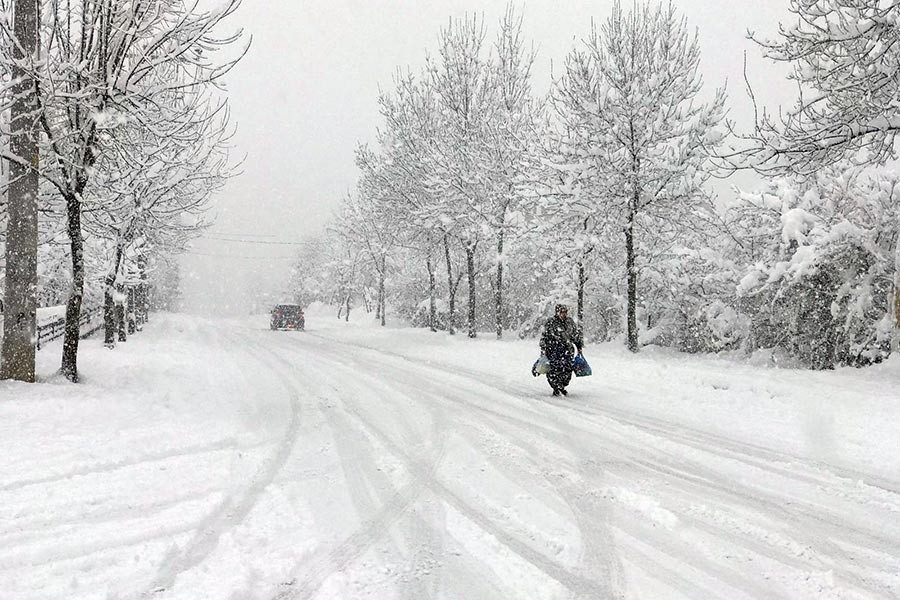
[
  {"x": 126, "y": 106},
  {"x": 599, "y": 193}
]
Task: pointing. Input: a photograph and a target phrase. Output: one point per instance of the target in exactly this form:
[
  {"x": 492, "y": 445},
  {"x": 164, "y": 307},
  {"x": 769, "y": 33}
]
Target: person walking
[{"x": 559, "y": 339}]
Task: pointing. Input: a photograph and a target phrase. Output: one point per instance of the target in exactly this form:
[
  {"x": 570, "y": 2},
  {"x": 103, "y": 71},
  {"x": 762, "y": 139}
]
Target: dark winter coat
[
  {"x": 559, "y": 335},
  {"x": 557, "y": 341}
]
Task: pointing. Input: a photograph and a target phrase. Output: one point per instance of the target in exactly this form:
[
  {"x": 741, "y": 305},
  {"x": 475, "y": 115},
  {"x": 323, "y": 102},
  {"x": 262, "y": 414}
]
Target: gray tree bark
[
  {"x": 451, "y": 290},
  {"x": 470, "y": 265},
  {"x": 631, "y": 274},
  {"x": 69, "y": 366},
  {"x": 582, "y": 279},
  {"x": 432, "y": 313},
  {"x": 120, "y": 315},
  {"x": 19, "y": 323},
  {"x": 895, "y": 341},
  {"x": 142, "y": 304},
  {"x": 630, "y": 268},
  {"x": 381, "y": 292},
  {"x": 109, "y": 306},
  {"x": 498, "y": 293}
]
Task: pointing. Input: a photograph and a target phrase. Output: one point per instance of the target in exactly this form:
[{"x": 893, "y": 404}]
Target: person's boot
[
  {"x": 555, "y": 392},
  {"x": 563, "y": 391}
]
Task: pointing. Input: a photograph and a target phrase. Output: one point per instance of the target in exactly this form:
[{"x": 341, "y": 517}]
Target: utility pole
[{"x": 20, "y": 301}]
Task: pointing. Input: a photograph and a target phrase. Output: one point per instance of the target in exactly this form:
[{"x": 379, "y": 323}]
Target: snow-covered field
[{"x": 218, "y": 459}]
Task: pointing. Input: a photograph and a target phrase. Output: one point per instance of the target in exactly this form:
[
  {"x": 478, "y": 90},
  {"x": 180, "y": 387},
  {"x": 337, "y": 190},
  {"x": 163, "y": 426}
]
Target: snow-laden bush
[
  {"x": 421, "y": 316},
  {"x": 714, "y": 327},
  {"x": 823, "y": 284}
]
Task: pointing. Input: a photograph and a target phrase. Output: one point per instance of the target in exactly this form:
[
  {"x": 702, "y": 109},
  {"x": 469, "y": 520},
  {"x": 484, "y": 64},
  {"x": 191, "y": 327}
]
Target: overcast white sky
[{"x": 306, "y": 94}]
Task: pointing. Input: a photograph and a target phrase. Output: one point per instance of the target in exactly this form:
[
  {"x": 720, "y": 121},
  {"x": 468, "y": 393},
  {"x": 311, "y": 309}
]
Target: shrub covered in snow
[{"x": 822, "y": 285}]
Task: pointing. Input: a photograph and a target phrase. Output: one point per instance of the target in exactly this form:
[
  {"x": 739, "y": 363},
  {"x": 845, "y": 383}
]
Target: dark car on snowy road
[{"x": 287, "y": 316}]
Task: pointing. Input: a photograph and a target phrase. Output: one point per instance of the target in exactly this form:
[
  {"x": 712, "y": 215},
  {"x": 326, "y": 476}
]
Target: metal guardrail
[{"x": 89, "y": 323}]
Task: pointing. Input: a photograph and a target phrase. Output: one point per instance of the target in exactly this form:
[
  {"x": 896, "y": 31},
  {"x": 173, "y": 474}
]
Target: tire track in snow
[
  {"x": 705, "y": 485},
  {"x": 654, "y": 465},
  {"x": 401, "y": 505},
  {"x": 700, "y": 439},
  {"x": 580, "y": 585},
  {"x": 108, "y": 466},
  {"x": 235, "y": 507},
  {"x": 727, "y": 448},
  {"x": 738, "y": 450},
  {"x": 413, "y": 527},
  {"x": 389, "y": 505}
]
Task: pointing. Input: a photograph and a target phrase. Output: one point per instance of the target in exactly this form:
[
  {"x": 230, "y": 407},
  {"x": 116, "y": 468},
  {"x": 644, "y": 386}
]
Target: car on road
[{"x": 288, "y": 316}]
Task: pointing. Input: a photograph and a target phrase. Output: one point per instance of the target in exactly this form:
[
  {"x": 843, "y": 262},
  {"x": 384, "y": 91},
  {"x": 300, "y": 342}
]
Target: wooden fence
[{"x": 91, "y": 321}]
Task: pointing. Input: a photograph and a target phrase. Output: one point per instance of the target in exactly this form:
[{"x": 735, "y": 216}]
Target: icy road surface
[{"x": 204, "y": 459}]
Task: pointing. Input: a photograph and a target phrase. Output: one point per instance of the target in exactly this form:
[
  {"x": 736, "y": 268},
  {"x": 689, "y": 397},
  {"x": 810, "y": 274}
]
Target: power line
[
  {"x": 241, "y": 256},
  {"x": 249, "y": 235},
  {"x": 261, "y": 242}
]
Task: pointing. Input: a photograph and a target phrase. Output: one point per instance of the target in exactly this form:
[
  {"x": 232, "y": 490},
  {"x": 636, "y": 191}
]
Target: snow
[
  {"x": 46, "y": 315},
  {"x": 796, "y": 224},
  {"x": 219, "y": 459}
]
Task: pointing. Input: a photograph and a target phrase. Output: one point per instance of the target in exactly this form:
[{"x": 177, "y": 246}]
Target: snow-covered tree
[
  {"x": 412, "y": 180},
  {"x": 105, "y": 64},
  {"x": 366, "y": 226},
  {"x": 636, "y": 131},
  {"x": 820, "y": 287},
  {"x": 307, "y": 282},
  {"x": 511, "y": 146},
  {"x": 465, "y": 99},
  {"x": 156, "y": 186},
  {"x": 846, "y": 62}
]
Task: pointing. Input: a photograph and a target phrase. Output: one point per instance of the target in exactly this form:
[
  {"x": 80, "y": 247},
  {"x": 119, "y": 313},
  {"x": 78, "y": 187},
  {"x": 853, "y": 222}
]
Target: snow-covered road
[{"x": 232, "y": 462}]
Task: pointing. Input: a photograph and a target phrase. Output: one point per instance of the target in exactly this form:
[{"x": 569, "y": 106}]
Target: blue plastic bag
[
  {"x": 541, "y": 366},
  {"x": 580, "y": 367}
]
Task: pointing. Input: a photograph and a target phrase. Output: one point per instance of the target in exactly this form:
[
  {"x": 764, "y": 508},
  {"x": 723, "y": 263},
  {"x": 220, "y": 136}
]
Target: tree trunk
[
  {"x": 629, "y": 243},
  {"x": 432, "y": 313},
  {"x": 632, "y": 287},
  {"x": 131, "y": 312},
  {"x": 142, "y": 303},
  {"x": 470, "y": 266},
  {"x": 109, "y": 305},
  {"x": 381, "y": 298},
  {"x": 347, "y": 313},
  {"x": 895, "y": 342},
  {"x": 451, "y": 289},
  {"x": 120, "y": 315},
  {"x": 581, "y": 281},
  {"x": 19, "y": 324},
  {"x": 69, "y": 366},
  {"x": 498, "y": 293},
  {"x": 109, "y": 316}
]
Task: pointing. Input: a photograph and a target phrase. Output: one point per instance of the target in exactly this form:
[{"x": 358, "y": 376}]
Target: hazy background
[{"x": 306, "y": 94}]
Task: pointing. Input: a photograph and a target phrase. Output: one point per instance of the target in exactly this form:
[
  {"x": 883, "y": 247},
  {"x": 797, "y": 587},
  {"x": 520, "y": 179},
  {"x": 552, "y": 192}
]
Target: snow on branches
[
  {"x": 845, "y": 56},
  {"x": 821, "y": 276},
  {"x": 635, "y": 138}
]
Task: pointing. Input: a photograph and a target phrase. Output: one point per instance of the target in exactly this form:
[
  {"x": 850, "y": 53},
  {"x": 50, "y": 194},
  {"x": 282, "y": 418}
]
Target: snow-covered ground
[{"x": 219, "y": 459}]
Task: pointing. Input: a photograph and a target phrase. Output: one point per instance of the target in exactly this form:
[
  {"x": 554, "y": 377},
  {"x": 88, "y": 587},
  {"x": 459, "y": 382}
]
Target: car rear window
[{"x": 287, "y": 309}]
